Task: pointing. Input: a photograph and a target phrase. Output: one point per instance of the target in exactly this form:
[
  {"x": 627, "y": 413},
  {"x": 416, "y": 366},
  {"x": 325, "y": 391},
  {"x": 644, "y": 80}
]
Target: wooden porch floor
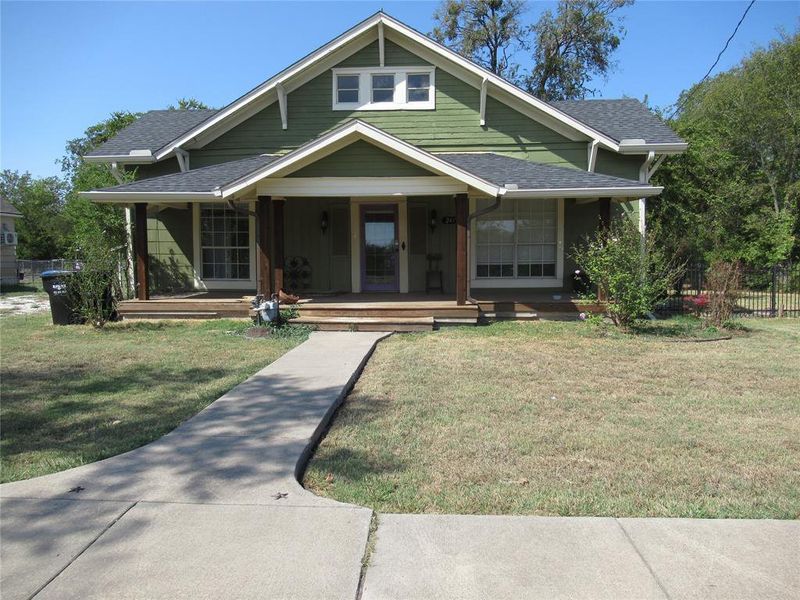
[{"x": 347, "y": 309}]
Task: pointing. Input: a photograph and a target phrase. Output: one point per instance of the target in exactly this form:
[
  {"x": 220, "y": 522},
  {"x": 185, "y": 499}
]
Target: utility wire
[{"x": 716, "y": 62}]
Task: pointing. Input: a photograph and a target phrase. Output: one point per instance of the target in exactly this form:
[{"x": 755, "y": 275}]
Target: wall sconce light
[
  {"x": 323, "y": 222},
  {"x": 434, "y": 220}
]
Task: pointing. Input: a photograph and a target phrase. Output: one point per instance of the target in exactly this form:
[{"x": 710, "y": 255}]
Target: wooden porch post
[
  {"x": 462, "y": 208},
  {"x": 142, "y": 260},
  {"x": 277, "y": 236},
  {"x": 264, "y": 243}
]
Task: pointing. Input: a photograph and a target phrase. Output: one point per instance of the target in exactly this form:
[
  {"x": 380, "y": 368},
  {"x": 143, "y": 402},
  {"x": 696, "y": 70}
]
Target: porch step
[
  {"x": 387, "y": 311},
  {"x": 511, "y": 316},
  {"x": 349, "y": 323},
  {"x": 131, "y": 315}
]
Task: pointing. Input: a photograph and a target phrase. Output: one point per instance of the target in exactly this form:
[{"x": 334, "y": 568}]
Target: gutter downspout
[
  {"x": 644, "y": 177},
  {"x": 470, "y": 219}
]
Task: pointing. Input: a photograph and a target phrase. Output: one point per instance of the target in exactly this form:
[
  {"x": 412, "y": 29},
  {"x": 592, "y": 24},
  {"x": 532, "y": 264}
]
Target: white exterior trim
[
  {"x": 197, "y": 263},
  {"x": 484, "y": 88},
  {"x": 365, "y": 28},
  {"x": 400, "y": 88},
  {"x": 639, "y": 147},
  {"x": 355, "y": 240},
  {"x": 282, "y": 105},
  {"x": 517, "y": 282},
  {"x": 315, "y": 187},
  {"x": 600, "y": 192}
]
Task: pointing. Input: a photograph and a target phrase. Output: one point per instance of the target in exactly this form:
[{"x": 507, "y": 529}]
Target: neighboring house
[
  {"x": 8, "y": 243},
  {"x": 375, "y": 159}
]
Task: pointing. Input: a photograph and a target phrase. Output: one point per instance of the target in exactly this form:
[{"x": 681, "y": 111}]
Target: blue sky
[{"x": 67, "y": 65}]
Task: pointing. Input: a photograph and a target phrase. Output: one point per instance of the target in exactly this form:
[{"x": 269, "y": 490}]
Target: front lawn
[
  {"x": 561, "y": 419},
  {"x": 73, "y": 395}
]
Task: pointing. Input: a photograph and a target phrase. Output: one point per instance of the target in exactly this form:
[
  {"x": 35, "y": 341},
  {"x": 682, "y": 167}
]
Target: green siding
[
  {"x": 165, "y": 167},
  {"x": 361, "y": 159},
  {"x": 440, "y": 241},
  {"x": 619, "y": 165},
  {"x": 330, "y": 269},
  {"x": 170, "y": 246},
  {"x": 452, "y": 126}
]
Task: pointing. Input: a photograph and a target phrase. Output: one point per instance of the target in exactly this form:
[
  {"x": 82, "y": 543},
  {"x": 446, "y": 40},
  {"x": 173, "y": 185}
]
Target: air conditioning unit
[{"x": 9, "y": 238}]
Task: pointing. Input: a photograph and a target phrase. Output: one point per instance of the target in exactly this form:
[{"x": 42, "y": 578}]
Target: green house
[{"x": 381, "y": 162}]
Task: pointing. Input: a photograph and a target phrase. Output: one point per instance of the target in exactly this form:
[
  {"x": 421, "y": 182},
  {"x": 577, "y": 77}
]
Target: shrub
[
  {"x": 629, "y": 273},
  {"x": 723, "y": 281},
  {"x": 93, "y": 290}
]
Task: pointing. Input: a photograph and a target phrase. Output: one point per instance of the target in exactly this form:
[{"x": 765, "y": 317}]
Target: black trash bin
[{"x": 55, "y": 284}]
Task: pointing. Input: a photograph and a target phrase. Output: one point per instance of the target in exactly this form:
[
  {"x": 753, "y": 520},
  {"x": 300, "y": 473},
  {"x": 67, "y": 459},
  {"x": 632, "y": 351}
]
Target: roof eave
[
  {"x": 127, "y": 159},
  {"x": 600, "y": 192},
  {"x": 670, "y": 148},
  {"x": 105, "y": 196}
]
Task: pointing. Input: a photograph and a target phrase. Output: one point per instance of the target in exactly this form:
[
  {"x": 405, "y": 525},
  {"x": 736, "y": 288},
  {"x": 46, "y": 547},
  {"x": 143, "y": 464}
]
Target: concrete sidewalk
[{"x": 214, "y": 510}]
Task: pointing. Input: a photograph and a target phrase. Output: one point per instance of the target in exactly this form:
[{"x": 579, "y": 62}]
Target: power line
[{"x": 719, "y": 56}]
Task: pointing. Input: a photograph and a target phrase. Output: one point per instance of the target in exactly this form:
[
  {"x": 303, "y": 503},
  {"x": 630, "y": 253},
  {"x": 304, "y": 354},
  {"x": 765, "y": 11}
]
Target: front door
[{"x": 379, "y": 248}]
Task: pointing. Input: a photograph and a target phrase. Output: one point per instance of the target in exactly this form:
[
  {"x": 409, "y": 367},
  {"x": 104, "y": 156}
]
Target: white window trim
[
  {"x": 400, "y": 88},
  {"x": 519, "y": 282},
  {"x": 216, "y": 284}
]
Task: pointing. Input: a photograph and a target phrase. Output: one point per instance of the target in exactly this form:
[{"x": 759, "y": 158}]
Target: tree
[
  {"x": 735, "y": 193},
  {"x": 485, "y": 31},
  {"x": 573, "y": 46},
  {"x": 41, "y": 226},
  {"x": 188, "y": 104},
  {"x": 88, "y": 221}
]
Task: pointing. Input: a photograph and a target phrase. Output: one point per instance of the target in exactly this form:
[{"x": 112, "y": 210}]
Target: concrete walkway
[
  {"x": 211, "y": 510},
  {"x": 214, "y": 510}
]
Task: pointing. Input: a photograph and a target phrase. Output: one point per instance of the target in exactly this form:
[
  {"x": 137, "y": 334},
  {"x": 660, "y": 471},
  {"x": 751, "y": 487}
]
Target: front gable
[
  {"x": 361, "y": 159},
  {"x": 453, "y": 126}
]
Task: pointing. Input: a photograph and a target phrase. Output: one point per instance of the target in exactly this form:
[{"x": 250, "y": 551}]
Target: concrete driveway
[{"x": 215, "y": 510}]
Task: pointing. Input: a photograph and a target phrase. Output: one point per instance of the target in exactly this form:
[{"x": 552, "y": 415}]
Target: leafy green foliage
[
  {"x": 42, "y": 228},
  {"x": 735, "y": 194},
  {"x": 93, "y": 290},
  {"x": 485, "y": 31},
  {"x": 572, "y": 46},
  {"x": 632, "y": 274},
  {"x": 188, "y": 104},
  {"x": 569, "y": 47}
]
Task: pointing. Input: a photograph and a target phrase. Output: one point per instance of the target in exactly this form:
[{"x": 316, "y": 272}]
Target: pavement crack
[
  {"x": 369, "y": 548},
  {"x": 644, "y": 560},
  {"x": 81, "y": 551}
]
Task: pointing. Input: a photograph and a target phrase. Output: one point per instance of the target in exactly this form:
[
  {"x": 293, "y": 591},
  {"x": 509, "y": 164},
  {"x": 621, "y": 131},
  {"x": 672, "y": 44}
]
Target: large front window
[
  {"x": 517, "y": 240},
  {"x": 224, "y": 242}
]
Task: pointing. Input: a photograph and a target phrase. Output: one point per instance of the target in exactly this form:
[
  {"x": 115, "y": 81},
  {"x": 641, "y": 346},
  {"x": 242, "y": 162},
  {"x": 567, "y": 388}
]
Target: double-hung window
[
  {"x": 347, "y": 89},
  {"x": 519, "y": 240},
  {"x": 224, "y": 243},
  {"x": 384, "y": 88}
]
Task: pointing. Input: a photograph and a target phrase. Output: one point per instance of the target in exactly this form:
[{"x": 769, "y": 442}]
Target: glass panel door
[{"x": 379, "y": 251}]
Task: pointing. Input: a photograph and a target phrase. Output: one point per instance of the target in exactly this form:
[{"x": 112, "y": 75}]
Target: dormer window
[
  {"x": 384, "y": 88},
  {"x": 418, "y": 87},
  {"x": 347, "y": 89}
]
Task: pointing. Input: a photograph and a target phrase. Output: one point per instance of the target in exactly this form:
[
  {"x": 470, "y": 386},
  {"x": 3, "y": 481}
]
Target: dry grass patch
[{"x": 559, "y": 419}]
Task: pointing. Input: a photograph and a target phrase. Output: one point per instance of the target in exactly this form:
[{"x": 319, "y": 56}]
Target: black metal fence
[{"x": 764, "y": 291}]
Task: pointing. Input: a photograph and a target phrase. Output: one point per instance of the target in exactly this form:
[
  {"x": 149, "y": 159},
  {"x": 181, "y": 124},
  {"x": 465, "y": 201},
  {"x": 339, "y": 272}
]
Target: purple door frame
[{"x": 383, "y": 208}]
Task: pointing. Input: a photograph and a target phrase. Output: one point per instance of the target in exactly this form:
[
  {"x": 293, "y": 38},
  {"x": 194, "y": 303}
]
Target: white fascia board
[
  {"x": 128, "y": 197},
  {"x": 359, "y": 187},
  {"x": 673, "y": 148},
  {"x": 388, "y": 23},
  {"x": 360, "y": 130},
  {"x": 618, "y": 192},
  {"x": 270, "y": 84},
  {"x": 499, "y": 82},
  {"x": 126, "y": 159}
]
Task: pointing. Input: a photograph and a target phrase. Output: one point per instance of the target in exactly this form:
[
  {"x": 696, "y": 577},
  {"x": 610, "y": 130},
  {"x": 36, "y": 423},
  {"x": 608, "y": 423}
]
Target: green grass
[
  {"x": 571, "y": 419},
  {"x": 73, "y": 395}
]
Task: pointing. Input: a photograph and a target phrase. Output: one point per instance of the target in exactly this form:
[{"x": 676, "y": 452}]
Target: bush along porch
[{"x": 387, "y": 182}]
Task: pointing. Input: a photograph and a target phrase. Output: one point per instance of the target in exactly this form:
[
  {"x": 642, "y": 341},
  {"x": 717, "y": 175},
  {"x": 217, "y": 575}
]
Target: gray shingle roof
[
  {"x": 204, "y": 179},
  {"x": 494, "y": 168},
  {"x": 622, "y": 119},
  {"x": 503, "y": 170},
  {"x": 152, "y": 131}
]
